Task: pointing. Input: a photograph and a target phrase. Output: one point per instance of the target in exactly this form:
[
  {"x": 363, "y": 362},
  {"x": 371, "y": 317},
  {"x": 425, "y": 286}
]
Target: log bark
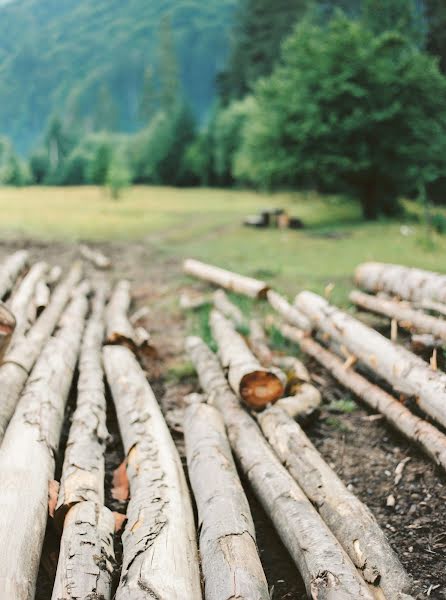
[
  {"x": 86, "y": 558},
  {"x": 327, "y": 571},
  {"x": 407, "y": 317},
  {"x": 42, "y": 296},
  {"x": 7, "y": 328},
  {"x": 83, "y": 468},
  {"x": 27, "y": 456},
  {"x": 240, "y": 284},
  {"x": 256, "y": 385},
  {"x": 228, "y": 308},
  {"x": 11, "y": 269},
  {"x": 290, "y": 313},
  {"x": 99, "y": 260},
  {"x": 294, "y": 369},
  {"x": 259, "y": 343},
  {"x": 18, "y": 362},
  {"x": 160, "y": 552},
  {"x": 229, "y": 558},
  {"x": 405, "y": 371},
  {"x": 428, "y": 437},
  {"x": 305, "y": 402},
  {"x": 404, "y": 282},
  {"x": 348, "y": 518}
]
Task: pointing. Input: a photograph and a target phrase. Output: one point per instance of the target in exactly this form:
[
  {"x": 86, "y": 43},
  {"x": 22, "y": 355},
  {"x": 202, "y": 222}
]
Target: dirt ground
[{"x": 359, "y": 445}]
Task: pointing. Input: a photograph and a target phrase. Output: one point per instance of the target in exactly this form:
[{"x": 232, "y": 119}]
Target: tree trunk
[
  {"x": 86, "y": 558},
  {"x": 27, "y": 456},
  {"x": 42, "y": 296},
  {"x": 326, "y": 569},
  {"x": 290, "y": 313},
  {"x": 18, "y": 362},
  {"x": 160, "y": 553},
  {"x": 229, "y": 557},
  {"x": 350, "y": 520},
  {"x": 407, "y": 317},
  {"x": 228, "y": 308},
  {"x": 259, "y": 344},
  {"x": 404, "y": 282},
  {"x": 254, "y": 384},
  {"x": 428, "y": 437},
  {"x": 7, "y": 328},
  {"x": 246, "y": 286},
  {"x": 405, "y": 371},
  {"x": 99, "y": 260},
  {"x": 10, "y": 269}
]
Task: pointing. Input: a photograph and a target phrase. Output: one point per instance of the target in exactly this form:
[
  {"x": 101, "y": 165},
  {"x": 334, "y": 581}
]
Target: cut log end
[{"x": 260, "y": 388}]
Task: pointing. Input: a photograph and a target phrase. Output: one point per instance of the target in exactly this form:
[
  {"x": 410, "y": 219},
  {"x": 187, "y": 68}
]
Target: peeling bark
[
  {"x": 229, "y": 557},
  {"x": 160, "y": 552},
  {"x": 290, "y": 313},
  {"x": 10, "y": 269},
  {"x": 228, "y": 308},
  {"x": 326, "y": 569}
]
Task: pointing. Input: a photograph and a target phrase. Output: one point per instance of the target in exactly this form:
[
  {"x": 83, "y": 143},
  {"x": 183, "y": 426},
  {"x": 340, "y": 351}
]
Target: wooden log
[
  {"x": 246, "y": 286},
  {"x": 404, "y": 282},
  {"x": 160, "y": 552},
  {"x": 290, "y": 313},
  {"x": 428, "y": 437},
  {"x": 7, "y": 327},
  {"x": 83, "y": 468},
  {"x": 18, "y": 362},
  {"x": 429, "y": 305},
  {"x": 97, "y": 258},
  {"x": 348, "y": 518},
  {"x": 119, "y": 328},
  {"x": 228, "y": 308},
  {"x": 86, "y": 558},
  {"x": 229, "y": 558},
  {"x": 327, "y": 571},
  {"x": 305, "y": 402},
  {"x": 27, "y": 455},
  {"x": 11, "y": 269},
  {"x": 42, "y": 296},
  {"x": 258, "y": 343},
  {"x": 54, "y": 275},
  {"x": 407, "y": 318},
  {"x": 405, "y": 371},
  {"x": 296, "y": 372},
  {"x": 254, "y": 384}
]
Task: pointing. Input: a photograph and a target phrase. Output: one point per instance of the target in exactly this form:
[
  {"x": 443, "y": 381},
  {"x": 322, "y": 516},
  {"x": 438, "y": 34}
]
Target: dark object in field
[{"x": 276, "y": 218}]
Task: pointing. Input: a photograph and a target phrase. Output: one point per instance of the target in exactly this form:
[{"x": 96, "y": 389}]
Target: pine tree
[
  {"x": 106, "y": 113},
  {"x": 403, "y": 16},
  {"x": 168, "y": 68},
  {"x": 149, "y": 102},
  {"x": 436, "y": 38}
]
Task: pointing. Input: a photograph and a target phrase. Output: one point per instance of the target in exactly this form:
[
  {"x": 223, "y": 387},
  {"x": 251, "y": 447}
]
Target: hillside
[{"x": 54, "y": 56}]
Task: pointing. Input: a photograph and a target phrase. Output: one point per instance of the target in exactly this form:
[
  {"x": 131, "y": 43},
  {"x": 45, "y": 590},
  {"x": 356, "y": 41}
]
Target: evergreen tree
[
  {"x": 403, "y": 16},
  {"x": 149, "y": 102},
  {"x": 436, "y": 22},
  {"x": 168, "y": 68},
  {"x": 105, "y": 116}
]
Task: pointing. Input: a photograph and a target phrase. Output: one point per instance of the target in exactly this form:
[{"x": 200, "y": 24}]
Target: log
[
  {"x": 407, "y": 317},
  {"x": 228, "y": 308},
  {"x": 407, "y": 283},
  {"x": 429, "y": 305},
  {"x": 98, "y": 259},
  {"x": 425, "y": 435},
  {"x": 305, "y": 402},
  {"x": 7, "y": 327},
  {"x": 327, "y": 571},
  {"x": 259, "y": 344},
  {"x": 296, "y": 372},
  {"x": 290, "y": 313},
  {"x": 348, "y": 518},
  {"x": 54, "y": 275},
  {"x": 405, "y": 371},
  {"x": 229, "y": 558},
  {"x": 11, "y": 269},
  {"x": 27, "y": 455},
  {"x": 254, "y": 384},
  {"x": 42, "y": 296},
  {"x": 159, "y": 545},
  {"x": 240, "y": 284},
  {"x": 86, "y": 557},
  {"x": 18, "y": 362}
]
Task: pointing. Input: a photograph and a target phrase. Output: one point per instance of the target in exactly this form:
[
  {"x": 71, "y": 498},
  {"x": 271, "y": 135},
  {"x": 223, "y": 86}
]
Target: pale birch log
[
  {"x": 229, "y": 558},
  {"x": 428, "y": 437},
  {"x": 42, "y": 296},
  {"x": 259, "y": 344},
  {"x": 228, "y": 308},
  {"x": 306, "y": 400},
  {"x": 54, "y": 275},
  {"x": 290, "y": 313},
  {"x": 7, "y": 327},
  {"x": 160, "y": 550},
  {"x": 21, "y": 299},
  {"x": 348, "y": 518},
  {"x": 86, "y": 558},
  {"x": 18, "y": 362},
  {"x": 10, "y": 269},
  {"x": 253, "y": 383},
  {"x": 27, "y": 456},
  {"x": 405, "y": 371},
  {"x": 240, "y": 284},
  {"x": 327, "y": 571},
  {"x": 83, "y": 468},
  {"x": 432, "y": 306},
  {"x": 406, "y": 317},
  {"x": 98, "y": 259},
  {"x": 405, "y": 282},
  {"x": 293, "y": 368}
]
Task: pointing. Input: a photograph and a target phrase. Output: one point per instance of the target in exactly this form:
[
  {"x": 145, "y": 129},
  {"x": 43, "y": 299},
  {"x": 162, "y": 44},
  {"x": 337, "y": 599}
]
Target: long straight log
[
  {"x": 327, "y": 571},
  {"x": 11, "y": 269},
  {"x": 27, "y": 456},
  {"x": 18, "y": 363},
  {"x": 240, "y": 284},
  {"x": 290, "y": 313},
  {"x": 253, "y": 383},
  {"x": 407, "y": 317},
  {"x": 160, "y": 552},
  {"x": 406, "y": 372},
  {"x": 229, "y": 557},
  {"x": 428, "y": 437},
  {"x": 7, "y": 327},
  {"x": 405, "y": 282},
  {"x": 228, "y": 308},
  {"x": 258, "y": 343},
  {"x": 349, "y": 519},
  {"x": 42, "y": 296},
  {"x": 98, "y": 259}
]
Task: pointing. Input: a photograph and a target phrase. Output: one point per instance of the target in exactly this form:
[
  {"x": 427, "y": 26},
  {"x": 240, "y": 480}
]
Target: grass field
[{"x": 205, "y": 224}]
